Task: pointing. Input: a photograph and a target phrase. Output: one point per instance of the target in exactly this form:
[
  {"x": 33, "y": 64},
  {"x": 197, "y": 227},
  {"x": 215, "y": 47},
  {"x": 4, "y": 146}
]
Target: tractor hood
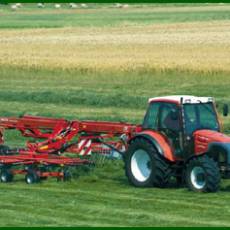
[
  {"x": 204, "y": 139},
  {"x": 211, "y": 136}
]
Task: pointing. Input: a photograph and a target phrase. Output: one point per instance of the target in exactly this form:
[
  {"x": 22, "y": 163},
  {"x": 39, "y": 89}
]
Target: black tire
[
  {"x": 202, "y": 174},
  {"x": 157, "y": 169},
  {"x": 6, "y": 176},
  {"x": 4, "y": 150},
  {"x": 67, "y": 175},
  {"x": 32, "y": 177}
]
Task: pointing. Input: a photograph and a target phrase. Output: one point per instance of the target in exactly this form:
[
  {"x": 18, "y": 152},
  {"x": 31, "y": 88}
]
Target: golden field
[{"x": 192, "y": 46}]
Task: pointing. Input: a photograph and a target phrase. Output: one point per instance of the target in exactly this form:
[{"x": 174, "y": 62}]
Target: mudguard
[{"x": 159, "y": 141}]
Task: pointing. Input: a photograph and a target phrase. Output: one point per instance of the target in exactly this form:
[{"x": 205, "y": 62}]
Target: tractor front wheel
[{"x": 203, "y": 174}]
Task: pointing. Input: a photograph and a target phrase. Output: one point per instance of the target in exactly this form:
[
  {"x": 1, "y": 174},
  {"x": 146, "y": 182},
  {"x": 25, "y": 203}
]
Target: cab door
[
  {"x": 165, "y": 118},
  {"x": 169, "y": 123}
]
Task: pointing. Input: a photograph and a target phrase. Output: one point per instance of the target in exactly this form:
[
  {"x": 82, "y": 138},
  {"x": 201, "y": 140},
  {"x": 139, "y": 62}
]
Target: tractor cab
[{"x": 178, "y": 117}]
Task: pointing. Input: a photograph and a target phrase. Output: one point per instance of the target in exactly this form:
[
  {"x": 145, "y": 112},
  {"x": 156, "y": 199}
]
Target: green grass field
[
  {"x": 138, "y": 14},
  {"x": 103, "y": 197}
]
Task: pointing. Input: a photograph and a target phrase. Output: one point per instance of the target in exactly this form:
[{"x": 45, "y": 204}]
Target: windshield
[{"x": 200, "y": 116}]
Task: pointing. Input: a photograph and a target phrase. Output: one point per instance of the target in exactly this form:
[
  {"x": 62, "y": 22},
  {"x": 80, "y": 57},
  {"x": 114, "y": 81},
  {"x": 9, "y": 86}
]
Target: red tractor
[{"x": 181, "y": 136}]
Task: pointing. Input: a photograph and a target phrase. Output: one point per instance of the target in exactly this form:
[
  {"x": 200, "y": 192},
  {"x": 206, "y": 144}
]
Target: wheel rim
[
  {"x": 198, "y": 177},
  {"x": 29, "y": 180},
  {"x": 3, "y": 178},
  {"x": 140, "y": 165}
]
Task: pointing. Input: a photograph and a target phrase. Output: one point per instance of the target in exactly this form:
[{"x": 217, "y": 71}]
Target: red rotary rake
[{"x": 44, "y": 158}]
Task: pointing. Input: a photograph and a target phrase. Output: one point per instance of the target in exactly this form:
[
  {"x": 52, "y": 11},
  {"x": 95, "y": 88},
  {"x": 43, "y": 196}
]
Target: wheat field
[{"x": 195, "y": 46}]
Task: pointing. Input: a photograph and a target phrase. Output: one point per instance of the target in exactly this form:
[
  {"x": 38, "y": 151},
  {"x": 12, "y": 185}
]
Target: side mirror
[{"x": 225, "y": 110}]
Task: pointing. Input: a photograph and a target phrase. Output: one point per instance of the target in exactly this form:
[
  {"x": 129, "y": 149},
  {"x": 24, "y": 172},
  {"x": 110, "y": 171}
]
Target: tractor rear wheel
[
  {"x": 144, "y": 167},
  {"x": 203, "y": 174}
]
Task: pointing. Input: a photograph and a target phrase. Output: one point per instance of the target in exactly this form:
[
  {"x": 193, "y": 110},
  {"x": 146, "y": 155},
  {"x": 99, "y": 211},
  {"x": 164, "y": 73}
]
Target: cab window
[
  {"x": 169, "y": 117},
  {"x": 151, "y": 117}
]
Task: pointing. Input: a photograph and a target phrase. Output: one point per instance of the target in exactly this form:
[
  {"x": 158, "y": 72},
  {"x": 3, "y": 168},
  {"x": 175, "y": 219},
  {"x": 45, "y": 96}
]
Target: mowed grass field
[{"x": 103, "y": 63}]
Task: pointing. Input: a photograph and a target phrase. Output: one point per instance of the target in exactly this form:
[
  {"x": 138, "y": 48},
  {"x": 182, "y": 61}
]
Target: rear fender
[{"x": 159, "y": 141}]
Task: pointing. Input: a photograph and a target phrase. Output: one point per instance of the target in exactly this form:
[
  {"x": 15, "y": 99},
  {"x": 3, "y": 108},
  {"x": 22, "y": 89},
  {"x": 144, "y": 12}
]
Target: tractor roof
[{"x": 181, "y": 98}]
